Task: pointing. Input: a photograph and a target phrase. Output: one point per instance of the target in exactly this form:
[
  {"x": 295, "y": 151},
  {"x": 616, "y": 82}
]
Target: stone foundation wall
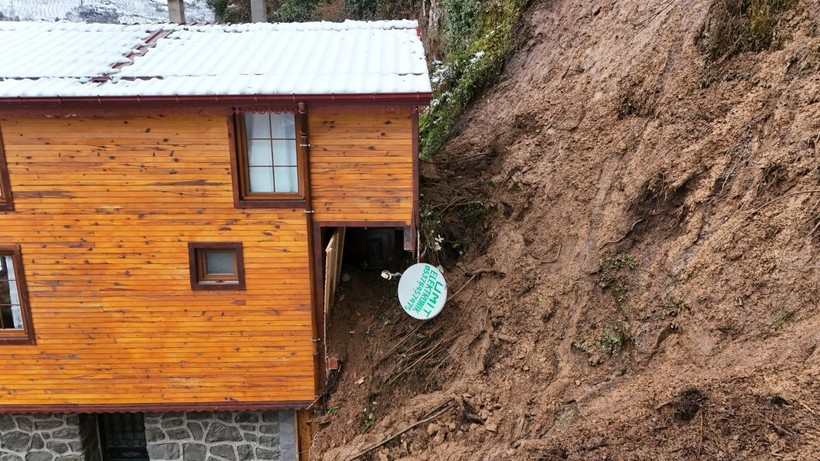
[
  {"x": 40, "y": 437},
  {"x": 221, "y": 435}
]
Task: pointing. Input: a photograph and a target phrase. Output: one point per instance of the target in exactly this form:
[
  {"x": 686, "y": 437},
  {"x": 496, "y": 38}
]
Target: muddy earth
[{"x": 633, "y": 229}]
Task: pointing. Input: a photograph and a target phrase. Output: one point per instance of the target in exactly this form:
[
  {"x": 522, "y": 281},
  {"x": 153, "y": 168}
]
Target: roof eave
[{"x": 86, "y": 102}]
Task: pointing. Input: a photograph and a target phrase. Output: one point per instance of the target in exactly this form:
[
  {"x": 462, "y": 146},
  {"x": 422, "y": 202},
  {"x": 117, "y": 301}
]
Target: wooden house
[{"x": 166, "y": 193}]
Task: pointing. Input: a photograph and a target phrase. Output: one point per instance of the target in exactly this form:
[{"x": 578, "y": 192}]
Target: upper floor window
[
  {"x": 269, "y": 160},
  {"x": 15, "y": 316},
  {"x": 5, "y": 188}
]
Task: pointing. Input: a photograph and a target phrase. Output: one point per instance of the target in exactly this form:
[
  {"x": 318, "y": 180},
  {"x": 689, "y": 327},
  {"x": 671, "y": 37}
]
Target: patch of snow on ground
[{"x": 101, "y": 11}]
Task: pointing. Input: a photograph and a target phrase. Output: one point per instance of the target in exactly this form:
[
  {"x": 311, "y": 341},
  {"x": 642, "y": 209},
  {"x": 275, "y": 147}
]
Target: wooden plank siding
[
  {"x": 104, "y": 211},
  {"x": 361, "y": 164},
  {"x": 104, "y": 208}
]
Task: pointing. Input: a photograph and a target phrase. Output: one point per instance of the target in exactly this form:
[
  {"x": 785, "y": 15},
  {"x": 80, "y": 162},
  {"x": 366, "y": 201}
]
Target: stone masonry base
[
  {"x": 182, "y": 436},
  {"x": 41, "y": 437}
]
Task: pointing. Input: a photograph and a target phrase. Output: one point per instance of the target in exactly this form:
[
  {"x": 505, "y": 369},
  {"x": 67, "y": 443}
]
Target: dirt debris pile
[{"x": 651, "y": 214}]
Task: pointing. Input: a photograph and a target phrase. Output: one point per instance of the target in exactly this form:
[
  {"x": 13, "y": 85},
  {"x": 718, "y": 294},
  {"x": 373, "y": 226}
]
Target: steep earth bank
[{"x": 640, "y": 232}]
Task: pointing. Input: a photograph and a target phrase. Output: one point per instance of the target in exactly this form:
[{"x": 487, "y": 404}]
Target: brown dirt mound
[{"x": 653, "y": 223}]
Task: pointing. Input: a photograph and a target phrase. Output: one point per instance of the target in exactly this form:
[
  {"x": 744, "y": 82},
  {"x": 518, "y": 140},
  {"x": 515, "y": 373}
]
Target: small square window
[
  {"x": 15, "y": 315},
  {"x": 216, "y": 266}
]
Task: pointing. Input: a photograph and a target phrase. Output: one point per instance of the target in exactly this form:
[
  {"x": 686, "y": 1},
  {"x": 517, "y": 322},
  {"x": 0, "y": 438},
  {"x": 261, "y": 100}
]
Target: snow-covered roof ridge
[
  {"x": 65, "y": 60},
  {"x": 348, "y": 24},
  {"x": 301, "y": 26}
]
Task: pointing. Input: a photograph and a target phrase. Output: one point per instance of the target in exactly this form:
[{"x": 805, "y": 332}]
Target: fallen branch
[
  {"x": 484, "y": 271},
  {"x": 429, "y": 351},
  {"x": 473, "y": 275},
  {"x": 808, "y": 408},
  {"x": 450, "y": 298},
  {"x": 397, "y": 345},
  {"x": 378, "y": 444},
  {"x": 455, "y": 201},
  {"x": 611, "y": 242},
  {"x": 814, "y": 207},
  {"x": 800, "y": 192},
  {"x": 751, "y": 213},
  {"x": 778, "y": 428},
  {"x": 470, "y": 156}
]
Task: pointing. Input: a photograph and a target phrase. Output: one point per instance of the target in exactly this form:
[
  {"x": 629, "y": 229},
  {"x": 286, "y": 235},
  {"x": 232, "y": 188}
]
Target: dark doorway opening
[
  {"x": 374, "y": 248},
  {"x": 122, "y": 436}
]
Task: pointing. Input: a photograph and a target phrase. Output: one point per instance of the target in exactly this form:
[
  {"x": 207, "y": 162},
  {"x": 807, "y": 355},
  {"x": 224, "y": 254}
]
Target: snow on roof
[{"x": 65, "y": 60}]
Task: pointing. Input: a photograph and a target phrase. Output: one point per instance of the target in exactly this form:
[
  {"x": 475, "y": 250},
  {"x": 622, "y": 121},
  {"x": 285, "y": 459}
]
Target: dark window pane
[{"x": 220, "y": 262}]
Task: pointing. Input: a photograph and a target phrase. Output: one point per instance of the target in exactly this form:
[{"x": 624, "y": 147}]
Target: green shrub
[
  {"x": 735, "y": 26},
  {"x": 469, "y": 71},
  {"x": 614, "y": 339},
  {"x": 236, "y": 14},
  {"x": 237, "y": 11},
  {"x": 295, "y": 11},
  {"x": 362, "y": 9},
  {"x": 616, "y": 273},
  {"x": 463, "y": 18},
  {"x": 381, "y": 9},
  {"x": 219, "y": 7}
]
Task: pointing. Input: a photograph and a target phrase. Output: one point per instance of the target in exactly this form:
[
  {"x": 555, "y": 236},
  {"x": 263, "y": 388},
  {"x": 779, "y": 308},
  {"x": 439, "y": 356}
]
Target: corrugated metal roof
[{"x": 65, "y": 60}]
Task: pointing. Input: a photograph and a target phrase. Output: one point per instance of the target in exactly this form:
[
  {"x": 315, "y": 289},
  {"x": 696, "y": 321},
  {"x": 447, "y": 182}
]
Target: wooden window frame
[
  {"x": 6, "y": 203},
  {"x": 243, "y": 198},
  {"x": 200, "y": 280},
  {"x": 26, "y": 335}
]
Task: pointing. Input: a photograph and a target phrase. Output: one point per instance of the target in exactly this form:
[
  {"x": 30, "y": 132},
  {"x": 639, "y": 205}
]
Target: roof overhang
[{"x": 126, "y": 103}]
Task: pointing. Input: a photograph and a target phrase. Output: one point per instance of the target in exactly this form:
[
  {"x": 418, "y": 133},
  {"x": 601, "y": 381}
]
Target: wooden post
[{"x": 305, "y": 427}]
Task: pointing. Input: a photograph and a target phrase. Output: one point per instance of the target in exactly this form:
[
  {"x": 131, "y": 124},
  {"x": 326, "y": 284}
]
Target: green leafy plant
[
  {"x": 219, "y": 7},
  {"x": 614, "y": 339},
  {"x": 582, "y": 345},
  {"x": 780, "y": 318},
  {"x": 463, "y": 17},
  {"x": 672, "y": 307},
  {"x": 472, "y": 66},
  {"x": 295, "y": 11},
  {"x": 368, "y": 419},
  {"x": 615, "y": 274},
  {"x": 735, "y": 26},
  {"x": 380, "y": 9},
  {"x": 431, "y": 231},
  {"x": 472, "y": 213},
  {"x": 235, "y": 14}
]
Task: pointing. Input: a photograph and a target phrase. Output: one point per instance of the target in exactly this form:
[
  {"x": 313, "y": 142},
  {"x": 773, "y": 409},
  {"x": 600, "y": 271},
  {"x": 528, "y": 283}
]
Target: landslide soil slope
[{"x": 651, "y": 223}]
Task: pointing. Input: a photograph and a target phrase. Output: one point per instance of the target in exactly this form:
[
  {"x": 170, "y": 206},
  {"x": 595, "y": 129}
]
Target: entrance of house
[
  {"x": 347, "y": 253},
  {"x": 358, "y": 249},
  {"x": 370, "y": 249},
  {"x": 122, "y": 437}
]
